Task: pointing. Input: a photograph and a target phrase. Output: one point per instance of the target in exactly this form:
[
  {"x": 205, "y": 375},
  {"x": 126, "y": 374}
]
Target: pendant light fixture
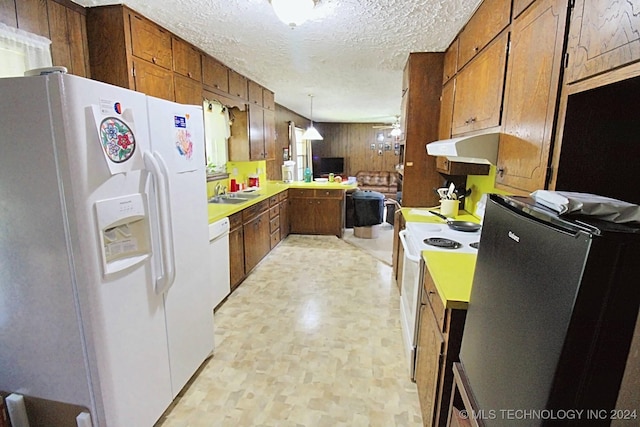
[
  {"x": 293, "y": 12},
  {"x": 311, "y": 133}
]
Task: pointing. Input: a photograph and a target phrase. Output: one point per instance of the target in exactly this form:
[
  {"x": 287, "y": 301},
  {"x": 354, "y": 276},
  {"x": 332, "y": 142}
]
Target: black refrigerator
[{"x": 551, "y": 315}]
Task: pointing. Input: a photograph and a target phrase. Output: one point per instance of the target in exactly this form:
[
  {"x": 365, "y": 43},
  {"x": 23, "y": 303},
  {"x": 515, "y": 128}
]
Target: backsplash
[
  {"x": 240, "y": 171},
  {"x": 479, "y": 185}
]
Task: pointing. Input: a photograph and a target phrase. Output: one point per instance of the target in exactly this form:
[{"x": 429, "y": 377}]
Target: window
[
  {"x": 217, "y": 132},
  {"x": 301, "y": 155}
]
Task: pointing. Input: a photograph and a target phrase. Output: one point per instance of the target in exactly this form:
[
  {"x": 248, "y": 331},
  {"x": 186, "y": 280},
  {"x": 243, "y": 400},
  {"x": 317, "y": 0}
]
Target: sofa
[{"x": 384, "y": 182}]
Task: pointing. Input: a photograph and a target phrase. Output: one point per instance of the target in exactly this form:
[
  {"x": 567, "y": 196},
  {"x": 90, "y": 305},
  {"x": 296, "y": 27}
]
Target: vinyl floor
[{"x": 311, "y": 338}]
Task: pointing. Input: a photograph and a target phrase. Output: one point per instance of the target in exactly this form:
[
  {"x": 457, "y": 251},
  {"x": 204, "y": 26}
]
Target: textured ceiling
[{"x": 349, "y": 55}]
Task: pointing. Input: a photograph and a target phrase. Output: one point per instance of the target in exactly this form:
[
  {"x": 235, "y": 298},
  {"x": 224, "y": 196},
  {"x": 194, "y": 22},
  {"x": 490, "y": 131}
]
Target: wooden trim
[{"x": 464, "y": 388}]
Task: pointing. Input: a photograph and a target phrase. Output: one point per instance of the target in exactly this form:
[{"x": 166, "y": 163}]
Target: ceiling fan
[{"x": 395, "y": 127}]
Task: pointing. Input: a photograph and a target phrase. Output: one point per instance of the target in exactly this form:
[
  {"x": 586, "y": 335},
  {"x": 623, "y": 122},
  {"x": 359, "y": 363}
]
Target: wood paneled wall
[
  {"x": 61, "y": 21},
  {"x": 283, "y": 117},
  {"x": 359, "y": 145}
]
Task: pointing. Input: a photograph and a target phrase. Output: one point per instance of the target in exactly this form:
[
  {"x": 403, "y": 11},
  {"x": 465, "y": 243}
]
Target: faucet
[{"x": 219, "y": 190}]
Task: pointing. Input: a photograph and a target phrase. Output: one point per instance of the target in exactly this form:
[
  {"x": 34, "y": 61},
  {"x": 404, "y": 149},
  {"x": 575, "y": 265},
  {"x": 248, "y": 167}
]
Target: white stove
[
  {"x": 418, "y": 232},
  {"x": 414, "y": 240}
]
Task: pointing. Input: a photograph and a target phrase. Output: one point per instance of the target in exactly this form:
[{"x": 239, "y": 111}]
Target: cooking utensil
[
  {"x": 452, "y": 188},
  {"x": 458, "y": 225},
  {"x": 442, "y": 192}
]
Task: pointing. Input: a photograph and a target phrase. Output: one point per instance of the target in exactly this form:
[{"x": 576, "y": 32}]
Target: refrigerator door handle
[{"x": 158, "y": 169}]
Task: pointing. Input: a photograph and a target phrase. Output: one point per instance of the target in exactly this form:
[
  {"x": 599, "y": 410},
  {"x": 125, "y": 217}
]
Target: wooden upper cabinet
[
  {"x": 31, "y": 15},
  {"x": 519, "y": 6},
  {"x": 450, "y": 62},
  {"x": 186, "y": 60},
  {"x": 256, "y": 133},
  {"x": 532, "y": 88},
  {"x": 268, "y": 99},
  {"x": 153, "y": 80},
  {"x": 487, "y": 22},
  {"x": 187, "y": 90},
  {"x": 215, "y": 74},
  {"x": 479, "y": 89},
  {"x": 269, "y": 133},
  {"x": 419, "y": 119},
  {"x": 446, "y": 110},
  {"x": 150, "y": 42},
  {"x": 237, "y": 85},
  {"x": 603, "y": 35},
  {"x": 255, "y": 93},
  {"x": 68, "y": 38}
]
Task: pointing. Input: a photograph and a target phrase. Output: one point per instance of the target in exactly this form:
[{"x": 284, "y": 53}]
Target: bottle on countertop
[{"x": 307, "y": 175}]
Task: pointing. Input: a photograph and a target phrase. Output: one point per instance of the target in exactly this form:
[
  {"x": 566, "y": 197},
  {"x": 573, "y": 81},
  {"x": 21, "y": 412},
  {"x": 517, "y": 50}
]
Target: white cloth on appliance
[{"x": 604, "y": 208}]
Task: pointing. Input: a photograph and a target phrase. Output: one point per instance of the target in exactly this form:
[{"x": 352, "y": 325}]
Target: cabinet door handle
[{"x": 154, "y": 59}]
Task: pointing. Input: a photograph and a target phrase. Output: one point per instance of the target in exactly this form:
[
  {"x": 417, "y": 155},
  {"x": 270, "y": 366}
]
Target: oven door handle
[{"x": 409, "y": 250}]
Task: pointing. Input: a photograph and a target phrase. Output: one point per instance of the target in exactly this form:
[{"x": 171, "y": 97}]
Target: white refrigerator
[{"x": 105, "y": 298}]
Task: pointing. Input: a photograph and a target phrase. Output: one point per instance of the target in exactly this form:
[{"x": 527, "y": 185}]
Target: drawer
[
  {"x": 254, "y": 210},
  {"x": 273, "y": 200},
  {"x": 330, "y": 194},
  {"x": 274, "y": 224},
  {"x": 274, "y": 211},
  {"x": 275, "y": 239},
  {"x": 283, "y": 195},
  {"x": 301, "y": 192},
  {"x": 434, "y": 299},
  {"x": 235, "y": 220}
]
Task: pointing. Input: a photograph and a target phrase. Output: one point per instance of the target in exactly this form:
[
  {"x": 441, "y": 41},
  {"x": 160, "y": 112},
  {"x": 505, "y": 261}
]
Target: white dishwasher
[{"x": 219, "y": 259}]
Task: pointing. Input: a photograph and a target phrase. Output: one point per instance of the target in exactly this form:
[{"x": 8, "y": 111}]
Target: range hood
[{"x": 468, "y": 149}]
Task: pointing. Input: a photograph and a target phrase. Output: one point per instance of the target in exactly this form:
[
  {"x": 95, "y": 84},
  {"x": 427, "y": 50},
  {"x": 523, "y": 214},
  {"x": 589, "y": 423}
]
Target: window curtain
[
  {"x": 217, "y": 130},
  {"x": 21, "y": 51}
]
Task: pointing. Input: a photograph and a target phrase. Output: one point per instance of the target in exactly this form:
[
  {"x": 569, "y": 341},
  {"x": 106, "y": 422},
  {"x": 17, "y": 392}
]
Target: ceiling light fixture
[
  {"x": 293, "y": 12},
  {"x": 311, "y": 133}
]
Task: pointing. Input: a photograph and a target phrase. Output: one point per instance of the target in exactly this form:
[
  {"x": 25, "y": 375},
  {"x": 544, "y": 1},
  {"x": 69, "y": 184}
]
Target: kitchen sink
[
  {"x": 247, "y": 195},
  {"x": 227, "y": 200}
]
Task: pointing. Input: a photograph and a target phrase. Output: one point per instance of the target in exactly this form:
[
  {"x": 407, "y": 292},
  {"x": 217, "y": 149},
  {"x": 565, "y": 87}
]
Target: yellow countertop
[
  {"x": 452, "y": 272},
  {"x": 218, "y": 211}
]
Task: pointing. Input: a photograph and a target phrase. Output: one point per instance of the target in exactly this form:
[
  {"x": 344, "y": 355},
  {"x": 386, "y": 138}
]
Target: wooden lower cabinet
[
  {"x": 236, "y": 250},
  {"x": 397, "y": 255},
  {"x": 317, "y": 211},
  {"x": 430, "y": 343},
  {"x": 274, "y": 220},
  {"x": 439, "y": 338},
  {"x": 257, "y": 237},
  {"x": 253, "y": 232},
  {"x": 284, "y": 215}
]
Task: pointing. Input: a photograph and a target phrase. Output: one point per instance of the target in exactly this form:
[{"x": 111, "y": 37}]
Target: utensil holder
[{"x": 449, "y": 208}]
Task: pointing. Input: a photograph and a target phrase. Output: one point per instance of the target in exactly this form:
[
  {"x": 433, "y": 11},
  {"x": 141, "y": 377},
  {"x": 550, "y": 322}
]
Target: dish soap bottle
[{"x": 307, "y": 175}]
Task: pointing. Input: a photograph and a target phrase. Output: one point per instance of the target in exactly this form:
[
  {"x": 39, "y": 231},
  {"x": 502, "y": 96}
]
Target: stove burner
[
  {"x": 441, "y": 242},
  {"x": 475, "y": 245}
]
